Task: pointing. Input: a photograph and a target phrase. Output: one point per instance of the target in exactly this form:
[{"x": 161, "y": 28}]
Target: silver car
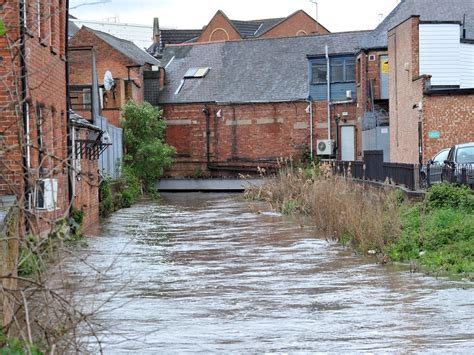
[{"x": 459, "y": 164}]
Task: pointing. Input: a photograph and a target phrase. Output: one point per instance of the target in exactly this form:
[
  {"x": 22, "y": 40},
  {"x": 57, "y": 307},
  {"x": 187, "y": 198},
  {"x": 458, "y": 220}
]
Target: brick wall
[
  {"x": 218, "y": 29},
  {"x": 450, "y": 115},
  {"x": 299, "y": 24},
  {"x": 406, "y": 92},
  {"x": 107, "y": 58},
  {"x": 86, "y": 186},
  {"x": 245, "y": 134},
  {"x": 46, "y": 98}
]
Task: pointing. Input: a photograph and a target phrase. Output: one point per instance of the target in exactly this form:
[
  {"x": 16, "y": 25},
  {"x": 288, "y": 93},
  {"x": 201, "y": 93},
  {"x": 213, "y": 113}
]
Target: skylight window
[{"x": 196, "y": 72}]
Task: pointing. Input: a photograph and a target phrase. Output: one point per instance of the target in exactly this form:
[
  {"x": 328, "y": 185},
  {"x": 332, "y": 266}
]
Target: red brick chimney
[{"x": 156, "y": 31}]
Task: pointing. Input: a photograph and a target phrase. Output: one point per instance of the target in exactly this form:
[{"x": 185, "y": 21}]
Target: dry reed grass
[{"x": 365, "y": 216}]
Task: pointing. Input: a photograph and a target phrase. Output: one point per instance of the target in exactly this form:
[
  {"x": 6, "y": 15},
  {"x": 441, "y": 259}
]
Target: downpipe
[{"x": 207, "y": 113}]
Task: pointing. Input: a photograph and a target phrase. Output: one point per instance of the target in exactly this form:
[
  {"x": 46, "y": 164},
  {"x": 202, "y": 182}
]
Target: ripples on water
[{"x": 211, "y": 273}]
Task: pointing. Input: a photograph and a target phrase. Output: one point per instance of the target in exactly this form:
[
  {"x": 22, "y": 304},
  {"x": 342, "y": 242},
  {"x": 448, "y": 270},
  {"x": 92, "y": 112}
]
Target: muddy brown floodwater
[{"x": 202, "y": 273}]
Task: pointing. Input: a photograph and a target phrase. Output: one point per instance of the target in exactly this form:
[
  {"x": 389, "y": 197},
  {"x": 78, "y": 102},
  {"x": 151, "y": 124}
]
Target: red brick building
[
  {"x": 236, "y": 105},
  {"x": 221, "y": 28},
  {"x": 34, "y": 117},
  {"x": 432, "y": 88},
  {"x": 398, "y": 106},
  {"x": 124, "y": 60}
]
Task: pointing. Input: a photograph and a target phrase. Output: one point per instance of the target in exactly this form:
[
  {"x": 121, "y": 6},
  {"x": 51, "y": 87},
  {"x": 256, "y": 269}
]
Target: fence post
[
  {"x": 428, "y": 175},
  {"x": 464, "y": 175}
]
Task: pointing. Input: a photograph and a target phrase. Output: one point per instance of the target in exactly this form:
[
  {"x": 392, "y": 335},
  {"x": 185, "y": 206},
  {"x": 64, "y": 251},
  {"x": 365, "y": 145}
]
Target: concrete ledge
[
  {"x": 206, "y": 185},
  {"x": 238, "y": 123}
]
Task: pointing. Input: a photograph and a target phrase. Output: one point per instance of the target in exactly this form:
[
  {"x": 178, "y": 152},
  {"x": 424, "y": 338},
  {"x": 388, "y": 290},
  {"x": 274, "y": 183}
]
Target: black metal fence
[
  {"x": 373, "y": 168},
  {"x": 411, "y": 176},
  {"x": 454, "y": 174}
]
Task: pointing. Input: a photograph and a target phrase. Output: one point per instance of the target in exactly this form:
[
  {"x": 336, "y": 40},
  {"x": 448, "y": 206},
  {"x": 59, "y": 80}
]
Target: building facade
[{"x": 34, "y": 117}]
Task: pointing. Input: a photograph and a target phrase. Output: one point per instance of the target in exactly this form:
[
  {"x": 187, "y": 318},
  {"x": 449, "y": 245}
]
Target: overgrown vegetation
[
  {"x": 146, "y": 153},
  {"x": 37, "y": 251},
  {"x": 437, "y": 233}
]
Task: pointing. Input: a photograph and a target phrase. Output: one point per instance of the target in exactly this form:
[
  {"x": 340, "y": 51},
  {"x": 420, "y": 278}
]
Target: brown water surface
[{"x": 211, "y": 273}]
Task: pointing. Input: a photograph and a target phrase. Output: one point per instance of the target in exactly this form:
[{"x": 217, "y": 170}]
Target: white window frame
[{"x": 50, "y": 194}]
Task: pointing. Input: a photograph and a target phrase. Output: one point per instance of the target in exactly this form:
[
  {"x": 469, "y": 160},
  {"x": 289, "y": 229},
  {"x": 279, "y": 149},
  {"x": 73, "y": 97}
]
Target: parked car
[
  {"x": 459, "y": 165},
  {"x": 435, "y": 166}
]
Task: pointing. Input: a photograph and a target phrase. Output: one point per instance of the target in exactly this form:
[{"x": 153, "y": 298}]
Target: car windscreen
[
  {"x": 441, "y": 157},
  {"x": 465, "y": 155}
]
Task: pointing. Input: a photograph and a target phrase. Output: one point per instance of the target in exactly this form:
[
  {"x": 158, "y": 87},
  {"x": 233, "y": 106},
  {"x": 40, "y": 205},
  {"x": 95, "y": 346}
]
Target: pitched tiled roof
[
  {"x": 127, "y": 48},
  {"x": 179, "y": 36},
  {"x": 254, "y": 28},
  {"x": 259, "y": 70},
  {"x": 428, "y": 10}
]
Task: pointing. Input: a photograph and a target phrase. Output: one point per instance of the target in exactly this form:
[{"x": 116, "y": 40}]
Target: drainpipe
[
  {"x": 207, "y": 113},
  {"x": 310, "y": 126},
  {"x": 24, "y": 105},
  {"x": 70, "y": 142},
  {"x": 328, "y": 77}
]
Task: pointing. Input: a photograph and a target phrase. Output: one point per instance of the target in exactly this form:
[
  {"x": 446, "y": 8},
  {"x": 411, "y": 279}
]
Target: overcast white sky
[{"x": 336, "y": 15}]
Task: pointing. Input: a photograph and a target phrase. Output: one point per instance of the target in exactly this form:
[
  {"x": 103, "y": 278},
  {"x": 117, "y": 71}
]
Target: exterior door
[
  {"x": 384, "y": 77},
  {"x": 348, "y": 143}
]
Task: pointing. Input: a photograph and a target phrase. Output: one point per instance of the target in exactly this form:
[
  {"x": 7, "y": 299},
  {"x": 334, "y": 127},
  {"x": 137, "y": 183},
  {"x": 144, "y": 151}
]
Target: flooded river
[{"x": 201, "y": 273}]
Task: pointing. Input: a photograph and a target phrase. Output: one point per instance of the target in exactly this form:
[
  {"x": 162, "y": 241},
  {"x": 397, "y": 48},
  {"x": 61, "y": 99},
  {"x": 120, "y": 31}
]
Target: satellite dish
[{"x": 109, "y": 82}]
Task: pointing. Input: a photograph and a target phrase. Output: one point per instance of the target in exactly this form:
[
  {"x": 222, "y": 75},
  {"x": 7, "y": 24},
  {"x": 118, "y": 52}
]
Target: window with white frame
[{"x": 46, "y": 194}]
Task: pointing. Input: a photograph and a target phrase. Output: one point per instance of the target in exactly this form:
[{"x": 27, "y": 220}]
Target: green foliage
[
  {"x": 76, "y": 220},
  {"x": 14, "y": 346},
  {"x": 290, "y": 206},
  {"x": 106, "y": 205},
  {"x": 147, "y": 154},
  {"x": 3, "y": 30},
  {"x": 450, "y": 196},
  {"x": 440, "y": 239}
]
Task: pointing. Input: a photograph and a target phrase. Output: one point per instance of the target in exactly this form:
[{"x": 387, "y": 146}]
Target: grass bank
[{"x": 436, "y": 234}]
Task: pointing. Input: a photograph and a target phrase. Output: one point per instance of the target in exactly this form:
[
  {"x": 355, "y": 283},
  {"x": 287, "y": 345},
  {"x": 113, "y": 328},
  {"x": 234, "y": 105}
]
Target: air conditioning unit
[{"x": 325, "y": 147}]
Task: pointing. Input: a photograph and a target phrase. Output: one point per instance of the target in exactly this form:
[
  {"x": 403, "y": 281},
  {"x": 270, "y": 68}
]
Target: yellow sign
[{"x": 385, "y": 67}]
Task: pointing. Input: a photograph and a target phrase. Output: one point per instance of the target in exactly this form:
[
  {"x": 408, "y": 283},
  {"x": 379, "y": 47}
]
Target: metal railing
[{"x": 454, "y": 174}]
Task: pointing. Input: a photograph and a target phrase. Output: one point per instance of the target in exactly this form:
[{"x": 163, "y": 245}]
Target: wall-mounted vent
[{"x": 372, "y": 58}]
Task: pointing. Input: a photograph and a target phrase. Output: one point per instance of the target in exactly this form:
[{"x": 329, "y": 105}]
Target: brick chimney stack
[{"x": 156, "y": 31}]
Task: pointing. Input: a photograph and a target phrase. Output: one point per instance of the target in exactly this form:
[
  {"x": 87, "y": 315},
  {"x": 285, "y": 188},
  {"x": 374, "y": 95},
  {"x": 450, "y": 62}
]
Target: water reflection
[{"x": 206, "y": 273}]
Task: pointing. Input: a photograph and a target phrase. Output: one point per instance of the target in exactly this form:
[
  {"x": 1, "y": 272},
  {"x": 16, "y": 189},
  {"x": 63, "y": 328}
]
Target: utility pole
[{"x": 317, "y": 23}]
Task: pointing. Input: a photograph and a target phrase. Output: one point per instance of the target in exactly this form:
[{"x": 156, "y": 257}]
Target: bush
[
  {"x": 106, "y": 205},
  {"x": 147, "y": 154},
  {"x": 450, "y": 196}
]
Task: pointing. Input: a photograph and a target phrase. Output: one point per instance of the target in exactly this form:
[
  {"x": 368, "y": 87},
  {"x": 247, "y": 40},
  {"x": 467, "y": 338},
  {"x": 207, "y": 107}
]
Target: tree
[{"x": 147, "y": 155}]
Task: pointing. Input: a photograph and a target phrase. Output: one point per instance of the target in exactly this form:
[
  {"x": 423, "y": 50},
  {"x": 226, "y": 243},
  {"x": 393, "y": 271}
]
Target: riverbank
[{"x": 436, "y": 234}]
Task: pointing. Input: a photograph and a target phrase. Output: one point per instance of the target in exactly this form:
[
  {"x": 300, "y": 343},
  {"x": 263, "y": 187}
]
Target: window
[
  {"x": 337, "y": 70},
  {"x": 39, "y": 11},
  {"x": 86, "y": 99},
  {"x": 319, "y": 71},
  {"x": 350, "y": 70},
  {"x": 62, "y": 16},
  {"x": 52, "y": 24},
  {"x": 465, "y": 155},
  {"x": 196, "y": 72},
  {"x": 46, "y": 194},
  {"x": 342, "y": 70}
]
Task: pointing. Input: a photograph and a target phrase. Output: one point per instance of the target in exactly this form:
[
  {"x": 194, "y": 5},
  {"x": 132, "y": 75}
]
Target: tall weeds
[{"x": 365, "y": 216}]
